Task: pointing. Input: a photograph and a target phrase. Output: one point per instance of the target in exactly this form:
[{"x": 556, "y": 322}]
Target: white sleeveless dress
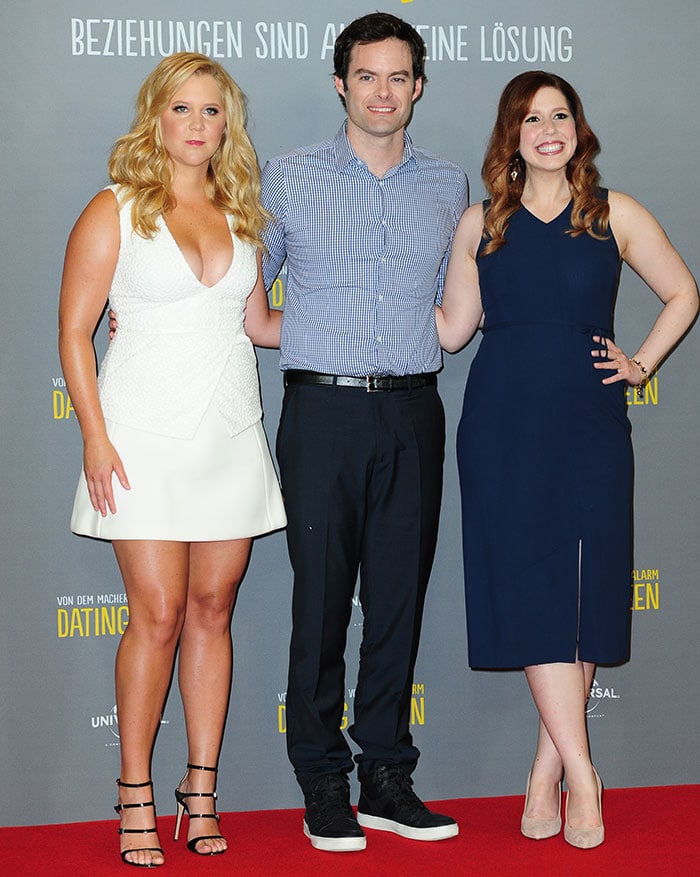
[{"x": 180, "y": 395}]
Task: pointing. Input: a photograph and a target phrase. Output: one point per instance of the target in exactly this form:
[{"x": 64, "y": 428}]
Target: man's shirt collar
[{"x": 346, "y": 157}]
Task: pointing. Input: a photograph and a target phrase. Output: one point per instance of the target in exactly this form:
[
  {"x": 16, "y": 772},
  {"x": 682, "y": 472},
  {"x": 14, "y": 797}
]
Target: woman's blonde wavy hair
[
  {"x": 140, "y": 164},
  {"x": 590, "y": 213}
]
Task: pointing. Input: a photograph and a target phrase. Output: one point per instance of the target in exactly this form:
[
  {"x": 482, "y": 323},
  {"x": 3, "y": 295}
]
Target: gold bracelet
[{"x": 645, "y": 378}]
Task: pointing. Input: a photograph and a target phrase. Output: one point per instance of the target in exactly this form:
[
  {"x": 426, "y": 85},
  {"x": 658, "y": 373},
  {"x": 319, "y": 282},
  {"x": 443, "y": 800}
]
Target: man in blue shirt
[{"x": 365, "y": 222}]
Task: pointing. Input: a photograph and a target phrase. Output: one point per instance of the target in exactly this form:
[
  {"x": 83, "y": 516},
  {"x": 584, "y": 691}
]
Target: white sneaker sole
[
  {"x": 335, "y": 844},
  {"x": 439, "y": 832}
]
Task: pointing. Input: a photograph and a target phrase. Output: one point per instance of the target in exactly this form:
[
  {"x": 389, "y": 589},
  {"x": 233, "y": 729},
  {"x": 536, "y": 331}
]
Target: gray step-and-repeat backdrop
[{"x": 70, "y": 72}]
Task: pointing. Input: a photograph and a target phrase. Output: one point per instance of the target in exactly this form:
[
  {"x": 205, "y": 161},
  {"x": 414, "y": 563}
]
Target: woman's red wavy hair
[{"x": 590, "y": 213}]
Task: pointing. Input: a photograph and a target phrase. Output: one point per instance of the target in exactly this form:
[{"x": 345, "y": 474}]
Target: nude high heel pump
[
  {"x": 586, "y": 838},
  {"x": 539, "y": 829}
]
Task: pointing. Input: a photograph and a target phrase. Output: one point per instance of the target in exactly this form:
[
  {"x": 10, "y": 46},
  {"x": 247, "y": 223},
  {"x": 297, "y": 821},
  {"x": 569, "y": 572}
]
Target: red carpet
[{"x": 648, "y": 832}]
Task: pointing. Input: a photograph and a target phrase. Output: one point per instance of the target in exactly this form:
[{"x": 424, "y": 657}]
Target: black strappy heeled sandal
[
  {"x": 182, "y": 807},
  {"x": 121, "y": 831}
]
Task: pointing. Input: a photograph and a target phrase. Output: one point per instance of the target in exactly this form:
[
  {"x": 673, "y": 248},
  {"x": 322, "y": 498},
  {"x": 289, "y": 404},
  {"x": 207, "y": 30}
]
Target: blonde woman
[{"x": 177, "y": 472}]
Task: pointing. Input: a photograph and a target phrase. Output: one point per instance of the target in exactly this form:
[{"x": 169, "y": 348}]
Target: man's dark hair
[{"x": 374, "y": 28}]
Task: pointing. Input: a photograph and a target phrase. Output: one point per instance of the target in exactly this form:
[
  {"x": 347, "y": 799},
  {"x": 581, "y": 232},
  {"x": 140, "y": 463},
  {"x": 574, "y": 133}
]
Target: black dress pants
[{"x": 361, "y": 475}]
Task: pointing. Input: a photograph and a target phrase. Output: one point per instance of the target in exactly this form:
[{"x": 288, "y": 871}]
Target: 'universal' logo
[
  {"x": 598, "y": 695},
  {"x": 110, "y": 722}
]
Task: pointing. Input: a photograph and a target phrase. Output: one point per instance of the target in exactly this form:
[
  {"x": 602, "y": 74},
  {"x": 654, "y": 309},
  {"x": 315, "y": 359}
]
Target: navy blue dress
[{"x": 545, "y": 456}]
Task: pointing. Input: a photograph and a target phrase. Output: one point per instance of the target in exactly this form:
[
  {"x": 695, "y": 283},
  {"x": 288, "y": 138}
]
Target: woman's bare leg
[
  {"x": 560, "y": 692},
  {"x": 216, "y": 569},
  {"x": 155, "y": 577}
]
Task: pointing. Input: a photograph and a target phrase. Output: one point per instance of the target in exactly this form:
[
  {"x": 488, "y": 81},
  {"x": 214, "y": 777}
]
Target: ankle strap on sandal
[
  {"x": 201, "y": 767},
  {"x": 119, "y": 808},
  {"x": 183, "y": 795}
]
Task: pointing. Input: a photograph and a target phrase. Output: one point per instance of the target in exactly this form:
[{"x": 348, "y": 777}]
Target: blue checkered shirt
[{"x": 366, "y": 257}]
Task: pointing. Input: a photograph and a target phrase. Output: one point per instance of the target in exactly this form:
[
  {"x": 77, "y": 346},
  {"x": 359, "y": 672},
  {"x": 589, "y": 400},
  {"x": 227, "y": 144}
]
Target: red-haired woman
[{"x": 543, "y": 446}]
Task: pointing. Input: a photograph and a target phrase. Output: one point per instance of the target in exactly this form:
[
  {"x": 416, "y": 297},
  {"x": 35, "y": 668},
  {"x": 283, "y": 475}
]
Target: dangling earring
[{"x": 514, "y": 167}]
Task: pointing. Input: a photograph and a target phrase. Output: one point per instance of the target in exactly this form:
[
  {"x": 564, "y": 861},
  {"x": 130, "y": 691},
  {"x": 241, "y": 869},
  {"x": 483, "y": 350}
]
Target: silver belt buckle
[{"x": 371, "y": 384}]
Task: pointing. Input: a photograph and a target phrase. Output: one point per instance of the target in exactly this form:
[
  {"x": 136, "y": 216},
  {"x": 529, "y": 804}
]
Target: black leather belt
[{"x": 370, "y": 383}]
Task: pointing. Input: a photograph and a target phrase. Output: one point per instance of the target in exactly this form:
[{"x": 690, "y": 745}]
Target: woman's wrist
[{"x": 645, "y": 377}]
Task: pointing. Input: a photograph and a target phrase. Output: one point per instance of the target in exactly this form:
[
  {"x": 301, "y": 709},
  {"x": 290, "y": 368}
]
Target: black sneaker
[
  {"x": 388, "y": 803},
  {"x": 329, "y": 822}
]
